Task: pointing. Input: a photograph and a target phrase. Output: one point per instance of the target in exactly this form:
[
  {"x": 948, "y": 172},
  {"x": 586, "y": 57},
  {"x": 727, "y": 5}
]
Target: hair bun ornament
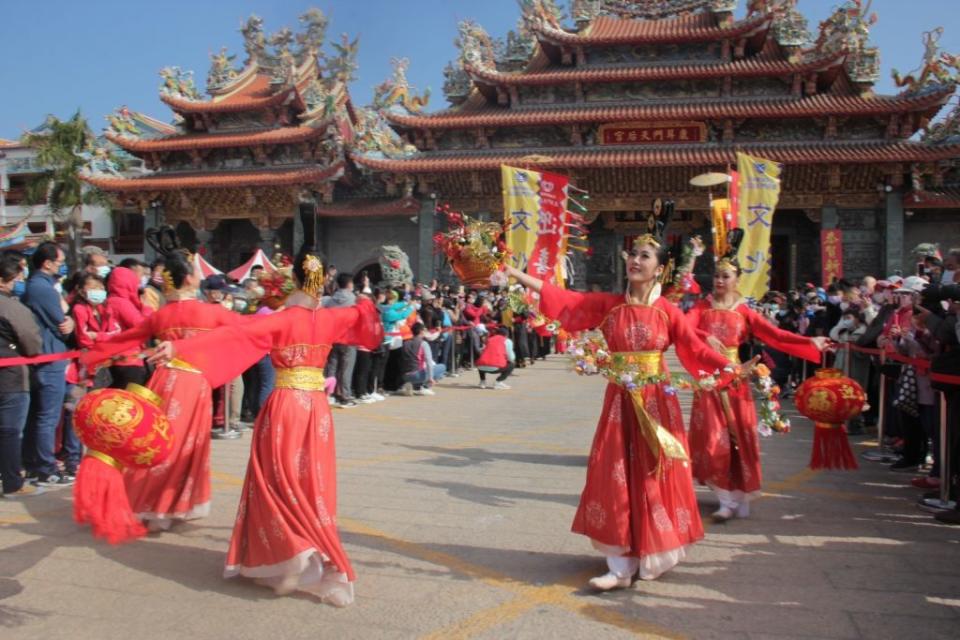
[
  {"x": 734, "y": 240},
  {"x": 313, "y": 272},
  {"x": 163, "y": 240}
]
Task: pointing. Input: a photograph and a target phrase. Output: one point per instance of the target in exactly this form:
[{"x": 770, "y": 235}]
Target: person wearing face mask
[
  {"x": 49, "y": 380},
  {"x": 724, "y": 443},
  {"x": 95, "y": 261},
  {"x": 182, "y": 491},
  {"x": 226, "y": 419},
  {"x": 19, "y": 337},
  {"x": 638, "y": 506},
  {"x": 124, "y": 303}
]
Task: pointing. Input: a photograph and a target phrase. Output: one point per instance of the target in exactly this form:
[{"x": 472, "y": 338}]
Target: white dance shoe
[
  {"x": 743, "y": 511},
  {"x": 609, "y": 581},
  {"x": 722, "y": 514}
]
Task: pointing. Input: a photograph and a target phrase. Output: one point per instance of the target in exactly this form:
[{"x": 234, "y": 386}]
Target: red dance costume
[
  {"x": 285, "y": 533},
  {"x": 178, "y": 488},
  {"x": 638, "y": 516},
  {"x": 726, "y": 452}
]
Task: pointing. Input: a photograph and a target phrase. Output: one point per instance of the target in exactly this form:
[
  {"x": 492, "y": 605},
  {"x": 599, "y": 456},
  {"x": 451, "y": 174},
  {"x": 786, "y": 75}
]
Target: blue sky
[{"x": 60, "y": 55}]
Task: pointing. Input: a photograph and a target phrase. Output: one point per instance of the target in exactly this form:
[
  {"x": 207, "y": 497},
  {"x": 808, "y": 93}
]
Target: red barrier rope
[{"x": 922, "y": 364}]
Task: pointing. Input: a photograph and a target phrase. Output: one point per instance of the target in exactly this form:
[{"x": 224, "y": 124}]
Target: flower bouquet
[
  {"x": 768, "y": 395},
  {"x": 590, "y": 356},
  {"x": 276, "y": 287},
  {"x": 476, "y": 250}
]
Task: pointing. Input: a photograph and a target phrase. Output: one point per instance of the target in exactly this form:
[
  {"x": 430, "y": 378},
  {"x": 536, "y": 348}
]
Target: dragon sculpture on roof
[
  {"x": 586, "y": 10},
  {"x": 789, "y": 26},
  {"x": 848, "y": 29},
  {"x": 122, "y": 123},
  {"x": 222, "y": 71},
  {"x": 254, "y": 42},
  {"x": 476, "y": 47},
  {"x": 397, "y": 90},
  {"x": 178, "y": 83},
  {"x": 937, "y": 70}
]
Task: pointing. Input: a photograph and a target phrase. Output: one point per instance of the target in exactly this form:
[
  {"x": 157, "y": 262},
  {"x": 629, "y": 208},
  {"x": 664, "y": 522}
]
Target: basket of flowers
[{"x": 475, "y": 249}]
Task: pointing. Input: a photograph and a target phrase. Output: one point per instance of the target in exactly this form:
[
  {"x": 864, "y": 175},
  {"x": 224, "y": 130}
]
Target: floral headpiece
[{"x": 313, "y": 271}]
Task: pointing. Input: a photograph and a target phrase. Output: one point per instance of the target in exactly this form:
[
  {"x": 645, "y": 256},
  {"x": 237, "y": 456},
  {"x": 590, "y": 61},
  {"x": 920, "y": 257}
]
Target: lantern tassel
[
  {"x": 100, "y": 499},
  {"x": 831, "y": 449}
]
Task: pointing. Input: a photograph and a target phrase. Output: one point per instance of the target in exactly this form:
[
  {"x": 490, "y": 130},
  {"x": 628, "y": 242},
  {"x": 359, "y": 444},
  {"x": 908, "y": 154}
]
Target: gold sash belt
[
  {"x": 301, "y": 378},
  {"x": 662, "y": 443},
  {"x": 732, "y": 354}
]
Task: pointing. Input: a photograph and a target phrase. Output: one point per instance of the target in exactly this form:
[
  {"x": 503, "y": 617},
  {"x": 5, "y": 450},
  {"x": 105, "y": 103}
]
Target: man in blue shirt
[{"x": 49, "y": 381}]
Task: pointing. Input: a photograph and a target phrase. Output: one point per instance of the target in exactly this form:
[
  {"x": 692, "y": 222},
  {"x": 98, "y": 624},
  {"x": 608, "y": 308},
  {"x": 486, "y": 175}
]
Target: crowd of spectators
[{"x": 912, "y": 317}]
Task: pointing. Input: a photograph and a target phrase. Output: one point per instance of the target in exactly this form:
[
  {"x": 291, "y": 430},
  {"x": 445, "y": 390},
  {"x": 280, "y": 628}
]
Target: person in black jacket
[{"x": 19, "y": 337}]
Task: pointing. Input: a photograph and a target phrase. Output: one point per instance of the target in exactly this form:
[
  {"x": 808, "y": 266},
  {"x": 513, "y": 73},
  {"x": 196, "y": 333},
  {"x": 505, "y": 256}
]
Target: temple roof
[
  {"x": 286, "y": 135},
  {"x": 694, "y": 27},
  {"x": 752, "y": 67},
  {"x": 665, "y": 156},
  {"x": 813, "y": 106},
  {"x": 222, "y": 180},
  {"x": 257, "y": 93}
]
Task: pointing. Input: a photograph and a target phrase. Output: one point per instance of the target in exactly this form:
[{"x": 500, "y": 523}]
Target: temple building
[{"x": 629, "y": 98}]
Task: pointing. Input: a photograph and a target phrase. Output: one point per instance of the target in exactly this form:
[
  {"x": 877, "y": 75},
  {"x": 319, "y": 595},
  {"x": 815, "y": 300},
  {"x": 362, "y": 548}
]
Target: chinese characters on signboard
[
  {"x": 652, "y": 133},
  {"x": 831, "y": 255}
]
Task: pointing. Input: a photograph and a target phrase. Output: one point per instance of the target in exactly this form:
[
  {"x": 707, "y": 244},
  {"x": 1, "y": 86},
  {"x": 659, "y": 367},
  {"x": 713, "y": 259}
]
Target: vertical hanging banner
[
  {"x": 759, "y": 191},
  {"x": 831, "y": 255},
  {"x": 535, "y": 207}
]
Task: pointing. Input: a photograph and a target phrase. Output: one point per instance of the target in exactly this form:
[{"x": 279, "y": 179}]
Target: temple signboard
[{"x": 653, "y": 133}]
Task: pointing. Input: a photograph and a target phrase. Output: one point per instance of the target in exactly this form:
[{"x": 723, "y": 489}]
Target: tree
[{"x": 61, "y": 147}]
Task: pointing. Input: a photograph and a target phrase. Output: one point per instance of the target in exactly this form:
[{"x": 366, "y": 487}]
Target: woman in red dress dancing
[
  {"x": 638, "y": 507},
  {"x": 179, "y": 488},
  {"x": 285, "y": 535},
  {"x": 723, "y": 422}
]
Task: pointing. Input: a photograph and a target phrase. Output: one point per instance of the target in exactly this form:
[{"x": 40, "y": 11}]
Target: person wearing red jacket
[
  {"x": 93, "y": 317},
  {"x": 497, "y": 357},
  {"x": 123, "y": 302}
]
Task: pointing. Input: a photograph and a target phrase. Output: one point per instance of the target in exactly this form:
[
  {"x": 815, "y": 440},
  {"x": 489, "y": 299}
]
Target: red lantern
[
  {"x": 830, "y": 399},
  {"x": 120, "y": 428}
]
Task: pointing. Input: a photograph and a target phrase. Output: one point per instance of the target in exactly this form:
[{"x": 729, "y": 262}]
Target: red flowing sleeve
[
  {"x": 574, "y": 310},
  {"x": 694, "y": 354},
  {"x": 789, "y": 343},
  {"x": 127, "y": 342},
  {"x": 358, "y": 325},
  {"x": 224, "y": 353}
]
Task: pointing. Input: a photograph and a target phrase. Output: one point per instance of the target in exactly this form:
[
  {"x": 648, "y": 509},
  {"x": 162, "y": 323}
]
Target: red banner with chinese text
[
  {"x": 653, "y": 133},
  {"x": 831, "y": 255},
  {"x": 551, "y": 240}
]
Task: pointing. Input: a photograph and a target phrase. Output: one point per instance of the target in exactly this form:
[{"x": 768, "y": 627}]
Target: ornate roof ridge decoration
[
  {"x": 127, "y": 124},
  {"x": 789, "y": 27},
  {"x": 809, "y": 106},
  {"x": 935, "y": 72},
  {"x": 587, "y": 10},
  {"x": 396, "y": 90},
  {"x": 946, "y": 131},
  {"x": 848, "y": 29},
  {"x": 179, "y": 84},
  {"x": 794, "y": 153},
  {"x": 222, "y": 72},
  {"x": 374, "y": 137},
  {"x": 757, "y": 66},
  {"x": 456, "y": 83},
  {"x": 476, "y": 46}
]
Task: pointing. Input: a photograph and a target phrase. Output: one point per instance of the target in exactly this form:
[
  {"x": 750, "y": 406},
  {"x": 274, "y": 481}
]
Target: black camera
[{"x": 935, "y": 293}]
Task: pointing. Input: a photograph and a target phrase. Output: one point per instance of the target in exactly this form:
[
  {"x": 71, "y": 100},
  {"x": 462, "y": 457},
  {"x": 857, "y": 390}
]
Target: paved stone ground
[{"x": 456, "y": 512}]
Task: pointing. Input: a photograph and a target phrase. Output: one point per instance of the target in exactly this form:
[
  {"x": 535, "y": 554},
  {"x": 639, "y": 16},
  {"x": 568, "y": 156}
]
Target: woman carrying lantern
[
  {"x": 638, "y": 506},
  {"x": 723, "y": 422},
  {"x": 285, "y": 535},
  {"x": 178, "y": 489}
]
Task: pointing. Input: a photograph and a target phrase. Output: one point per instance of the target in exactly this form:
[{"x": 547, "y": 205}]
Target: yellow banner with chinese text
[{"x": 759, "y": 192}]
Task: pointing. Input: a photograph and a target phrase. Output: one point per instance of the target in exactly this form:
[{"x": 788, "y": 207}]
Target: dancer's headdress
[
  {"x": 728, "y": 261},
  {"x": 164, "y": 241},
  {"x": 313, "y": 275},
  {"x": 657, "y": 222}
]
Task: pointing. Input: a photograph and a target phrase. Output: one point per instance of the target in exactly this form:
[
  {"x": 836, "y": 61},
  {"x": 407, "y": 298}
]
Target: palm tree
[{"x": 59, "y": 146}]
